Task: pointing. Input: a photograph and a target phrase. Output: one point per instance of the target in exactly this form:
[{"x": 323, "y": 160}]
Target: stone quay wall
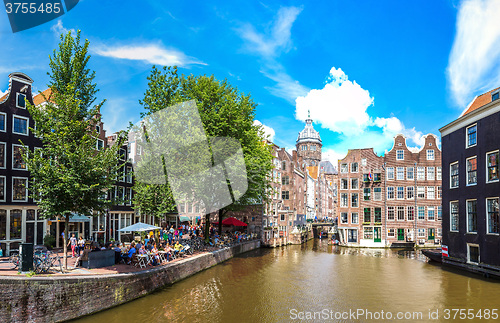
[{"x": 60, "y": 298}]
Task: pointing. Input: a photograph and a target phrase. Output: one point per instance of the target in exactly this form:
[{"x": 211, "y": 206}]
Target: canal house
[{"x": 471, "y": 186}]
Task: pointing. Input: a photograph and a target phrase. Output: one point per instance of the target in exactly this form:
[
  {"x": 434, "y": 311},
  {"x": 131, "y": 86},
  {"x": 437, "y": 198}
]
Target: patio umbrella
[
  {"x": 232, "y": 221},
  {"x": 139, "y": 226}
]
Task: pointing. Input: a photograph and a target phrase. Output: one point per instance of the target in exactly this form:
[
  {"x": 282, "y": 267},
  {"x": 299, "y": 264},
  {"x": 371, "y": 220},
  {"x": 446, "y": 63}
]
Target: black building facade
[{"x": 471, "y": 186}]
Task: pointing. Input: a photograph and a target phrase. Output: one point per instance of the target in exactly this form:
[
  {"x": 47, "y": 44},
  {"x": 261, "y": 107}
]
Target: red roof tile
[
  {"x": 39, "y": 97},
  {"x": 480, "y": 101}
]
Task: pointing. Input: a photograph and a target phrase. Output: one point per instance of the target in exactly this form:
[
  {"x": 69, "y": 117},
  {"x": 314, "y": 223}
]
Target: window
[
  {"x": 377, "y": 177},
  {"x": 421, "y": 173},
  {"x": 343, "y": 217},
  {"x": 410, "y": 173},
  {"x": 377, "y": 192},
  {"x": 282, "y": 217},
  {"x": 129, "y": 174},
  {"x": 2, "y": 189},
  {"x": 411, "y": 213},
  {"x": 454, "y": 216},
  {"x": 20, "y": 125},
  {"x": 363, "y": 162},
  {"x": 438, "y": 173},
  {"x": 495, "y": 96},
  {"x": 454, "y": 175},
  {"x": 2, "y": 154},
  {"x": 182, "y": 208},
  {"x": 20, "y": 100},
  {"x": 400, "y": 154},
  {"x": 401, "y": 213},
  {"x": 368, "y": 233},
  {"x": 400, "y": 173},
  {"x": 285, "y": 195},
  {"x": 121, "y": 195},
  {"x": 19, "y": 189},
  {"x": 439, "y": 192},
  {"x": 431, "y": 192},
  {"x": 472, "y": 171},
  {"x": 366, "y": 193},
  {"x": 431, "y": 214},
  {"x": 99, "y": 144},
  {"x": 390, "y": 172},
  {"x": 366, "y": 178},
  {"x": 354, "y": 167},
  {"x": 283, "y": 165},
  {"x": 391, "y": 233},
  {"x": 439, "y": 212},
  {"x": 352, "y": 235},
  {"x": 400, "y": 193},
  {"x": 410, "y": 192},
  {"x": 378, "y": 215},
  {"x": 421, "y": 233},
  {"x": 343, "y": 168},
  {"x": 471, "y": 136},
  {"x": 430, "y": 154},
  {"x": 128, "y": 196},
  {"x": 492, "y": 163},
  {"x": 3, "y": 118},
  {"x": 122, "y": 174},
  {"x": 421, "y": 192},
  {"x": 354, "y": 218},
  {"x": 313, "y": 148},
  {"x": 492, "y": 207},
  {"x": 473, "y": 253},
  {"x": 304, "y": 147},
  {"x": 343, "y": 184},
  {"x": 123, "y": 154},
  {"x": 390, "y": 213},
  {"x": 421, "y": 212},
  {"x": 285, "y": 180},
  {"x": 431, "y": 173},
  {"x": 354, "y": 200},
  {"x": 367, "y": 215},
  {"x": 354, "y": 183},
  {"x": 471, "y": 216},
  {"x": 344, "y": 200},
  {"x": 17, "y": 158},
  {"x": 439, "y": 232},
  {"x": 390, "y": 193}
]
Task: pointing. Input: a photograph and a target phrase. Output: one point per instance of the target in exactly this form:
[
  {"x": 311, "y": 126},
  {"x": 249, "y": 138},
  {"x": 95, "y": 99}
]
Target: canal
[{"x": 285, "y": 284}]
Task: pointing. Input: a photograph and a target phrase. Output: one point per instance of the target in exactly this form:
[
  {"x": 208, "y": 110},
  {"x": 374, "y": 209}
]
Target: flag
[{"x": 370, "y": 176}]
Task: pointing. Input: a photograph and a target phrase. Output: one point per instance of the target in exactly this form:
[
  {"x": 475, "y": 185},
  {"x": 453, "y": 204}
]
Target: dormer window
[
  {"x": 495, "y": 96},
  {"x": 98, "y": 129},
  {"x": 21, "y": 100}
]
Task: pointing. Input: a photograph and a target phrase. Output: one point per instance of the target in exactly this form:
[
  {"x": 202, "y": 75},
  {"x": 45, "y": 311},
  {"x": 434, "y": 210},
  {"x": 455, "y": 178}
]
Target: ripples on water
[{"x": 265, "y": 285}]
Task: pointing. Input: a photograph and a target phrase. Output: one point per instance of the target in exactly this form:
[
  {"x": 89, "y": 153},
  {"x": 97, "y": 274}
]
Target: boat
[{"x": 433, "y": 254}]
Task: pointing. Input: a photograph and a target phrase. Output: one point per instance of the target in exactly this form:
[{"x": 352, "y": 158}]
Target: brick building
[
  {"x": 394, "y": 199},
  {"x": 471, "y": 186}
]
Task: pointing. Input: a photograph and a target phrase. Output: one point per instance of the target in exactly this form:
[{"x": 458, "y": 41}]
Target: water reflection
[{"x": 265, "y": 285}]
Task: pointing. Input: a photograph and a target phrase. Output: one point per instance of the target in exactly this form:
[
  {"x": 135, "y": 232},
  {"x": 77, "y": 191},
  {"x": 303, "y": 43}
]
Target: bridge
[
  {"x": 317, "y": 227},
  {"x": 323, "y": 224}
]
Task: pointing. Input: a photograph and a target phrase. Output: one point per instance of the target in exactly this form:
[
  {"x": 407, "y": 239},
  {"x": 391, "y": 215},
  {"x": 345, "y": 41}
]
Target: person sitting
[
  {"x": 168, "y": 251},
  {"x": 131, "y": 252},
  {"x": 142, "y": 250},
  {"x": 177, "y": 248}
]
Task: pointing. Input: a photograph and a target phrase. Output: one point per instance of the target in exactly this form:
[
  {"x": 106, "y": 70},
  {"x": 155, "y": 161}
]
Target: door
[
  {"x": 401, "y": 234},
  {"x": 376, "y": 235},
  {"x": 431, "y": 234}
]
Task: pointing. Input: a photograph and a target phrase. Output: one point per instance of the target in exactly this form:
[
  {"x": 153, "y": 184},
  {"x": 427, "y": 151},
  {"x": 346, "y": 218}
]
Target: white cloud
[
  {"x": 268, "y": 131},
  {"x": 150, "y": 53},
  {"x": 474, "y": 62},
  {"x": 332, "y": 155},
  {"x": 116, "y": 114},
  {"x": 342, "y": 107},
  {"x": 269, "y": 45},
  {"x": 59, "y": 29}
]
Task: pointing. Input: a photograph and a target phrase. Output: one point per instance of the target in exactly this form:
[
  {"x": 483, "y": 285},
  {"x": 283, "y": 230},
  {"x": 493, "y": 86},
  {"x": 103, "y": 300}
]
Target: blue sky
[{"x": 366, "y": 70}]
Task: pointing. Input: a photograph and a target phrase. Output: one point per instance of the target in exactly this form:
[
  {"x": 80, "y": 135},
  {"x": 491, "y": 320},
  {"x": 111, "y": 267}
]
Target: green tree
[
  {"x": 68, "y": 175},
  {"x": 224, "y": 112}
]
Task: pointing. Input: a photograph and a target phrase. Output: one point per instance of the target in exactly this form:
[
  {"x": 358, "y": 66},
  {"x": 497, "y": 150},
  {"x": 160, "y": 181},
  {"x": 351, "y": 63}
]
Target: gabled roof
[
  {"x": 38, "y": 99},
  {"x": 479, "y": 101},
  {"x": 4, "y": 97},
  {"x": 313, "y": 171}
]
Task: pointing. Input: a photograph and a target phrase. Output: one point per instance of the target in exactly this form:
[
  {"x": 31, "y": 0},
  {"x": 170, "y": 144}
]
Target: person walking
[
  {"x": 81, "y": 245},
  {"x": 72, "y": 242}
]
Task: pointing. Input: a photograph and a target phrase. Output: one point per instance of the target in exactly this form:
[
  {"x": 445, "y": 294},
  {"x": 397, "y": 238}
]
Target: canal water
[{"x": 318, "y": 282}]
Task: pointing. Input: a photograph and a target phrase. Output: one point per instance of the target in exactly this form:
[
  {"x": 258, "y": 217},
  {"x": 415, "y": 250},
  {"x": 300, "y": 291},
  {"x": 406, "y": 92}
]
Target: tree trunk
[
  {"x": 65, "y": 245},
  {"x": 207, "y": 228},
  {"x": 221, "y": 216}
]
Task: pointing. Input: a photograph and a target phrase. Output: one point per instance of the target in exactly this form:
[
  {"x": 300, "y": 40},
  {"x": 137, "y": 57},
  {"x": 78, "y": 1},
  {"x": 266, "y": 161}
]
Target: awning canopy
[
  {"x": 75, "y": 217},
  {"x": 233, "y": 221},
  {"x": 183, "y": 218},
  {"x": 139, "y": 226}
]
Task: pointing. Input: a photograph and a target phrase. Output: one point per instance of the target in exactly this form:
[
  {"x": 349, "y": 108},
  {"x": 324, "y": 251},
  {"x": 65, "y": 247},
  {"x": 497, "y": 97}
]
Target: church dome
[{"x": 309, "y": 134}]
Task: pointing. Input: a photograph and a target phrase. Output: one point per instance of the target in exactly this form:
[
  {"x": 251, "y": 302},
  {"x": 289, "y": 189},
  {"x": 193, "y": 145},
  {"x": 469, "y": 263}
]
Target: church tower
[{"x": 309, "y": 144}]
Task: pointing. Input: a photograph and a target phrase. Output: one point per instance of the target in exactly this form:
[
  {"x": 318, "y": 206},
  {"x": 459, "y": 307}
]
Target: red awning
[{"x": 232, "y": 221}]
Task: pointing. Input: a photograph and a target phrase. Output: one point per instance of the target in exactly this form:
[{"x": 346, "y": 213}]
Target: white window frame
[
  {"x": 16, "y": 145},
  {"x": 377, "y": 194},
  {"x": 431, "y": 192},
  {"x": 420, "y": 173},
  {"x": 17, "y": 100},
  {"x": 398, "y": 152},
  {"x": 451, "y": 165},
  {"x": 486, "y": 166},
  {"x": 420, "y": 207},
  {"x": 439, "y": 173},
  {"x": 400, "y": 173},
  {"x": 342, "y": 218},
  {"x": 14, "y": 116},
  {"x": 5, "y": 121},
  {"x": 26, "y": 188},
  {"x": 468, "y": 253},
  {"x": 97, "y": 144},
  {"x": 412, "y": 172},
  {"x": 488, "y": 217},
  {"x": 410, "y": 189},
  {"x": 352, "y": 218},
  {"x": 391, "y": 233},
  {"x": 458, "y": 217},
  {"x": 408, "y": 208},
  {"x": 430, "y": 154},
  {"x": 398, "y": 209},
  {"x": 344, "y": 168},
  {"x": 4, "y": 188},
  {"x": 420, "y": 189},
  {"x": 467, "y": 171},
  {"x": 390, "y": 171},
  {"x": 129, "y": 174},
  {"x": 393, "y": 193},
  {"x": 467, "y": 136},
  {"x": 433, "y": 209},
  {"x": 431, "y": 173},
  {"x": 400, "y": 189},
  {"x": 342, "y": 181},
  {"x": 357, "y": 184},
  {"x": 4, "y": 154},
  {"x": 467, "y": 217}
]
